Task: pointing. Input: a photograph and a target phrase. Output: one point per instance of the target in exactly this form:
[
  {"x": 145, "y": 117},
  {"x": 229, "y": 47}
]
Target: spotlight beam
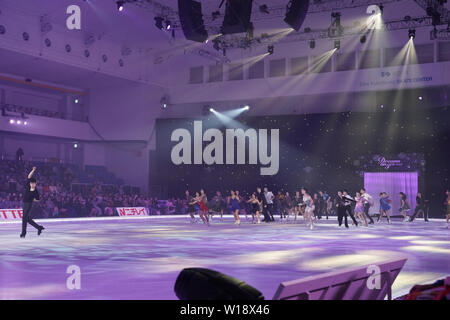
[
  {"x": 349, "y": 31},
  {"x": 227, "y": 117}
]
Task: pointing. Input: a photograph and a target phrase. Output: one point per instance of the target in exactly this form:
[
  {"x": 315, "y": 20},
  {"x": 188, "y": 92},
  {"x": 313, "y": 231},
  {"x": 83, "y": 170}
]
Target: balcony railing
[{"x": 22, "y": 110}]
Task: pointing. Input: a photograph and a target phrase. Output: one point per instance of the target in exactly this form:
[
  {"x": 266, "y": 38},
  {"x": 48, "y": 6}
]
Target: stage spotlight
[
  {"x": 264, "y": 9},
  {"x": 164, "y": 101},
  {"x": 120, "y": 5},
  {"x": 270, "y": 49},
  {"x": 363, "y": 38},
  {"x": 76, "y": 100},
  {"x": 25, "y": 123},
  {"x": 412, "y": 33},
  {"x": 312, "y": 44},
  {"x": 211, "y": 109},
  {"x": 420, "y": 98},
  {"x": 168, "y": 24},
  {"x": 11, "y": 121},
  {"x": 19, "y": 122},
  {"x": 246, "y": 107},
  {"x": 159, "y": 22},
  {"x": 337, "y": 44},
  {"x": 75, "y": 145},
  {"x": 206, "y": 284}
]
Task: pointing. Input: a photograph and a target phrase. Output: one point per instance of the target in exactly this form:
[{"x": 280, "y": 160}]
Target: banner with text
[
  {"x": 10, "y": 214},
  {"x": 132, "y": 211}
]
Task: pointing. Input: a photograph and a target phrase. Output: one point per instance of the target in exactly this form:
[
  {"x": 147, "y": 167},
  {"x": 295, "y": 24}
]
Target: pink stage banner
[
  {"x": 10, "y": 214},
  {"x": 132, "y": 211}
]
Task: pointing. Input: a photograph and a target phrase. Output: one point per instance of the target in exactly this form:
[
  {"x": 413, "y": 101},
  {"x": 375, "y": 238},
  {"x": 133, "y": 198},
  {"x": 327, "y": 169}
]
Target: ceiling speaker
[
  {"x": 191, "y": 19},
  {"x": 296, "y": 13}
]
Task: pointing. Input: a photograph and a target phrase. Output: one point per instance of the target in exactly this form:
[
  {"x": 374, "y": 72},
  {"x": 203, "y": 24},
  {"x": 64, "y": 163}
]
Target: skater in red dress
[{"x": 203, "y": 207}]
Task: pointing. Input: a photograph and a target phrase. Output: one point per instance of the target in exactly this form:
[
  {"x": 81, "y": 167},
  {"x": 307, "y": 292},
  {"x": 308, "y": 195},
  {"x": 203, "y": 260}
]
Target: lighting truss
[
  {"x": 316, "y": 34},
  {"x": 160, "y": 10},
  {"x": 316, "y": 6},
  {"x": 275, "y": 12},
  {"x": 437, "y": 7},
  {"x": 443, "y": 34}
]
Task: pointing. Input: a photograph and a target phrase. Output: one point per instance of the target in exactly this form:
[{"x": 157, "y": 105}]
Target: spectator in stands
[
  {"x": 19, "y": 154},
  {"x": 59, "y": 197}
]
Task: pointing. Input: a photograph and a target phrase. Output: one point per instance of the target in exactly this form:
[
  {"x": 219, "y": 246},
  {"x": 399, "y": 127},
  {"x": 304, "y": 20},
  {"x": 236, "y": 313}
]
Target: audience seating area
[{"x": 67, "y": 190}]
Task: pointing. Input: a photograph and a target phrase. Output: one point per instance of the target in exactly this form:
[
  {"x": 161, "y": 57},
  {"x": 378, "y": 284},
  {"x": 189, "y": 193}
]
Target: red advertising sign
[
  {"x": 132, "y": 211},
  {"x": 10, "y": 214}
]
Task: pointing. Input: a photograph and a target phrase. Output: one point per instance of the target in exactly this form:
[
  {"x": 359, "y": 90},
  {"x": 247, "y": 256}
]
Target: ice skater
[
  {"x": 255, "y": 207},
  {"x": 30, "y": 195},
  {"x": 348, "y": 206},
  {"x": 404, "y": 206},
  {"x": 367, "y": 204},
  {"x": 340, "y": 207},
  {"x": 359, "y": 208},
  {"x": 235, "y": 207},
  {"x": 191, "y": 206},
  {"x": 298, "y": 200},
  {"x": 384, "y": 207},
  {"x": 421, "y": 207},
  {"x": 203, "y": 204},
  {"x": 217, "y": 205},
  {"x": 309, "y": 208}
]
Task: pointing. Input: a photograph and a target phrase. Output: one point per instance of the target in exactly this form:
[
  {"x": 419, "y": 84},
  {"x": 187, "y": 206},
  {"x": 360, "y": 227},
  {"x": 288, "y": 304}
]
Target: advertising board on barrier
[
  {"x": 132, "y": 211},
  {"x": 10, "y": 214},
  {"x": 16, "y": 214}
]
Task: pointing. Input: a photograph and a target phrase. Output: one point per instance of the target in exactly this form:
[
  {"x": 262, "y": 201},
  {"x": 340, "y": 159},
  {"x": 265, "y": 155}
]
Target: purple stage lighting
[{"x": 120, "y": 5}]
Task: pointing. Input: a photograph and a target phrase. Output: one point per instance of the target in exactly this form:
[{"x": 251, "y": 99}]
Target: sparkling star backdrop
[{"x": 319, "y": 151}]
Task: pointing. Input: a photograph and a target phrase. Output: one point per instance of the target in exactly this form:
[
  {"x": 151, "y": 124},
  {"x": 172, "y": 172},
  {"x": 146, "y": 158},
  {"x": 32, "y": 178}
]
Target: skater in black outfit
[
  {"x": 348, "y": 206},
  {"x": 263, "y": 204},
  {"x": 30, "y": 195},
  {"x": 367, "y": 204},
  {"x": 421, "y": 207},
  {"x": 341, "y": 211}
]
